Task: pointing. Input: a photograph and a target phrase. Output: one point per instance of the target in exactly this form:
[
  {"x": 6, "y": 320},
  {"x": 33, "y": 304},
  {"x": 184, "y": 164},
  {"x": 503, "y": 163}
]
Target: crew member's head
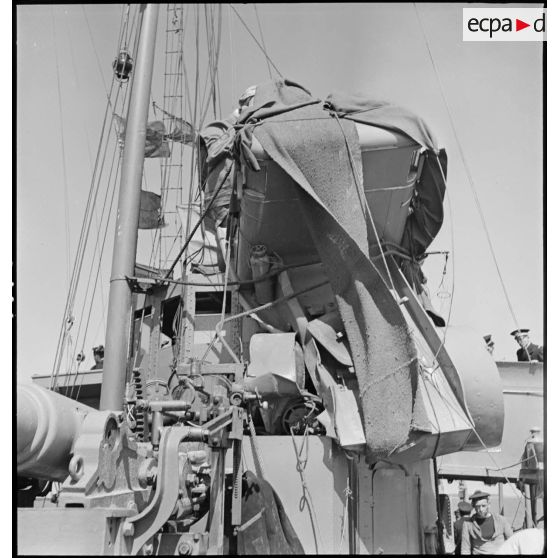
[
  {"x": 98, "y": 353},
  {"x": 481, "y": 503},
  {"x": 521, "y": 336},
  {"x": 464, "y": 508}
]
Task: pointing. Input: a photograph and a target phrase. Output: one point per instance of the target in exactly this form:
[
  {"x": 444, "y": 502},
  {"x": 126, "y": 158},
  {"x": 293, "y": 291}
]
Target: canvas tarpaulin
[
  {"x": 427, "y": 215},
  {"x": 266, "y": 528},
  {"x": 322, "y": 155},
  {"x": 150, "y": 210},
  {"x": 156, "y": 137}
]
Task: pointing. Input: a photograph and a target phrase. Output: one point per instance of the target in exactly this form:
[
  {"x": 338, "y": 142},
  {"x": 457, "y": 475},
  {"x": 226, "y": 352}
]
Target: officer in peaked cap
[
  {"x": 528, "y": 351},
  {"x": 485, "y": 531}
]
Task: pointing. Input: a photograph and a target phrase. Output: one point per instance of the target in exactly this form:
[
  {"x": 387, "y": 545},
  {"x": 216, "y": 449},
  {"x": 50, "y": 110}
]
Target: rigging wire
[
  {"x": 262, "y": 39},
  {"x": 231, "y": 51},
  {"x": 459, "y": 412},
  {"x": 256, "y": 41},
  {"x": 87, "y": 221},
  {"x": 188, "y": 107},
  {"x": 467, "y": 169},
  {"x": 99, "y": 261},
  {"x": 214, "y": 48},
  {"x": 209, "y": 28},
  {"x": 76, "y": 73},
  {"x": 216, "y": 75},
  {"x": 63, "y": 147},
  {"x": 452, "y": 244},
  {"x": 366, "y": 209},
  {"x": 193, "y": 119},
  {"x": 88, "y": 299},
  {"x": 68, "y": 319}
]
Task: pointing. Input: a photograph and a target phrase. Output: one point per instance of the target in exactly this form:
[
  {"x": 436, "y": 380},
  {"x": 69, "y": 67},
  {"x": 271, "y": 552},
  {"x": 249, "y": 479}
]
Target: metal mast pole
[{"x": 127, "y": 218}]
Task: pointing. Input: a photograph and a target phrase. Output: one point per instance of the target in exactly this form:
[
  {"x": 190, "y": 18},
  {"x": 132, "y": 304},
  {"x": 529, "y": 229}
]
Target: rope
[
  {"x": 452, "y": 241},
  {"x": 437, "y": 425},
  {"x": 460, "y": 413},
  {"x": 265, "y": 306},
  {"x": 516, "y": 510},
  {"x": 200, "y": 220},
  {"x": 517, "y": 463},
  {"x": 258, "y": 462},
  {"x": 365, "y": 208},
  {"x": 273, "y": 273},
  {"x": 386, "y": 376},
  {"x": 467, "y": 170},
  {"x": 306, "y": 498},
  {"x": 348, "y": 496}
]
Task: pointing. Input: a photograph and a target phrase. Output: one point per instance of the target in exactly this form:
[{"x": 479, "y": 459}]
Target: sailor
[
  {"x": 464, "y": 510},
  {"x": 526, "y": 541},
  {"x": 529, "y": 351},
  {"x": 489, "y": 343},
  {"x": 484, "y": 532},
  {"x": 99, "y": 356}
]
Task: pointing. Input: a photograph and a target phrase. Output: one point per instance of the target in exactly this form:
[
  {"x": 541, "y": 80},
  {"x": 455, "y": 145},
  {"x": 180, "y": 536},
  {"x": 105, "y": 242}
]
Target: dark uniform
[
  {"x": 464, "y": 510},
  {"x": 457, "y": 534},
  {"x": 531, "y": 352}
]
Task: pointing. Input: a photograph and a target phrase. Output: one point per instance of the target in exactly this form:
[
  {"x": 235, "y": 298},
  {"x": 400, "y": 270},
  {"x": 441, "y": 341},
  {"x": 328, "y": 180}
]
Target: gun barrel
[{"x": 47, "y": 425}]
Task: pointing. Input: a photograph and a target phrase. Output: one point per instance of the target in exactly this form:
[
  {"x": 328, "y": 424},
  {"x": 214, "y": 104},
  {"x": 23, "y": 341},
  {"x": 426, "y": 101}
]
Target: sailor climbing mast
[{"x": 126, "y": 234}]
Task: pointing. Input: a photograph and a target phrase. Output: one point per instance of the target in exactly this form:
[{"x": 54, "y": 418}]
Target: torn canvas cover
[
  {"x": 156, "y": 144},
  {"x": 150, "y": 210}
]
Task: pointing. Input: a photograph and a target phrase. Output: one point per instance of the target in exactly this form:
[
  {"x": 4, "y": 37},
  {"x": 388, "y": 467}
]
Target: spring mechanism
[{"x": 140, "y": 417}]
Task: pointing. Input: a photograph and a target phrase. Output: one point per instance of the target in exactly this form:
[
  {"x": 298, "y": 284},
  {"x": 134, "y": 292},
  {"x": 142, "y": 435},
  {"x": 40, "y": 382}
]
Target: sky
[{"x": 494, "y": 93}]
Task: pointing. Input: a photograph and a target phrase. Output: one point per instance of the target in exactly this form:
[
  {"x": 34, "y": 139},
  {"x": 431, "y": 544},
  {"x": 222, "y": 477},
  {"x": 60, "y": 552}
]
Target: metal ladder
[{"x": 172, "y": 167}]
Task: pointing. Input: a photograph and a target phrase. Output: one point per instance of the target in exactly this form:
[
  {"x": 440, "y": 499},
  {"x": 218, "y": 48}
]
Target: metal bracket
[{"x": 145, "y": 525}]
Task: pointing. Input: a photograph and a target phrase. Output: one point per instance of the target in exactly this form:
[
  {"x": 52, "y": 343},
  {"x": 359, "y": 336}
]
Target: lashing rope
[
  {"x": 366, "y": 209},
  {"x": 306, "y": 498}
]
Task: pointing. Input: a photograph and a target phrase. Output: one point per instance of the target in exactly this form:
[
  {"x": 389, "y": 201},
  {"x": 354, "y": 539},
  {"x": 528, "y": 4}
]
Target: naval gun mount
[{"x": 149, "y": 479}]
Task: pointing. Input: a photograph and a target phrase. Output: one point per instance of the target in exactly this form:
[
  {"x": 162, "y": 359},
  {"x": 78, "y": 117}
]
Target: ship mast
[{"x": 127, "y": 218}]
